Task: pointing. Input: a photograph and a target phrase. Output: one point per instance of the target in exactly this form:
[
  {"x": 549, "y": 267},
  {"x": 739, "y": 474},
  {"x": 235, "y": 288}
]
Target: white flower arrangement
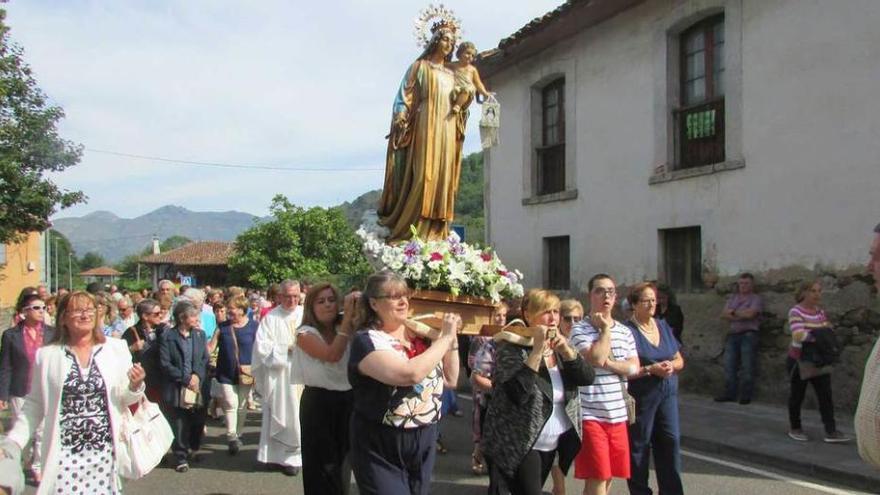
[{"x": 448, "y": 265}]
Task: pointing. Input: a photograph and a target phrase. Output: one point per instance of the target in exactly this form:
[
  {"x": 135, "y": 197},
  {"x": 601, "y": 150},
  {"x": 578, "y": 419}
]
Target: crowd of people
[{"x": 595, "y": 389}]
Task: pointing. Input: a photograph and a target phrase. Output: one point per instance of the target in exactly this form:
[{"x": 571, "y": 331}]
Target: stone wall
[{"x": 848, "y": 298}]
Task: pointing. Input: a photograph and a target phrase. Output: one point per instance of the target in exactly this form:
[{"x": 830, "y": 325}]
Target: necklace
[{"x": 646, "y": 329}]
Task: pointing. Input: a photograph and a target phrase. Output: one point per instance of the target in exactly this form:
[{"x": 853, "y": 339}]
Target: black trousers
[
  {"x": 324, "y": 418},
  {"x": 532, "y": 472},
  {"x": 392, "y": 461},
  {"x": 188, "y": 426},
  {"x": 822, "y": 386}
]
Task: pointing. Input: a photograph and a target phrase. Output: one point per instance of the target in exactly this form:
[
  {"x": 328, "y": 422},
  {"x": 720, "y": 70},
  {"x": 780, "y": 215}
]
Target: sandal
[
  {"x": 478, "y": 467},
  {"x": 441, "y": 449}
]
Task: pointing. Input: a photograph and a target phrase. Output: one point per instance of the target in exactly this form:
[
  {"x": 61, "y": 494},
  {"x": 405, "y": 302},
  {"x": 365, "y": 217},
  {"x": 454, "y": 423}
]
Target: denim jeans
[
  {"x": 656, "y": 433},
  {"x": 740, "y": 355}
]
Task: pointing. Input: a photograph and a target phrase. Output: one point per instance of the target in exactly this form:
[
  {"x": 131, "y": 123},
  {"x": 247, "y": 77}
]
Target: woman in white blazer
[{"x": 81, "y": 382}]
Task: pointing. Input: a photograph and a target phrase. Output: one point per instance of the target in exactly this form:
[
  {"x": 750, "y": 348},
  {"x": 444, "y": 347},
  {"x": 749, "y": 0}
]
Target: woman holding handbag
[
  {"x": 235, "y": 341},
  {"x": 805, "y": 320},
  {"x": 183, "y": 358},
  {"x": 81, "y": 387},
  {"x": 325, "y": 408}
]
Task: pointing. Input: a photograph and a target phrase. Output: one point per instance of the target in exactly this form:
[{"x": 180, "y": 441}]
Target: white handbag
[
  {"x": 145, "y": 438},
  {"x": 867, "y": 419}
]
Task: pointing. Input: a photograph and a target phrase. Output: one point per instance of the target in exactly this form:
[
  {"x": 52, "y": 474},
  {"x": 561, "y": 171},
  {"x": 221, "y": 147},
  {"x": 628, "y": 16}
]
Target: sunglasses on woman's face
[
  {"x": 572, "y": 319},
  {"x": 36, "y": 307}
]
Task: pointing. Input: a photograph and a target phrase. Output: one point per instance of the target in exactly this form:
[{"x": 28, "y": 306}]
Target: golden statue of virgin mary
[{"x": 423, "y": 163}]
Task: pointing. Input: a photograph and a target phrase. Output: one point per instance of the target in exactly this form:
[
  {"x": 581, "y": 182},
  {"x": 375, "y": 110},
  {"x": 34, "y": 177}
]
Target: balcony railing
[{"x": 700, "y": 134}]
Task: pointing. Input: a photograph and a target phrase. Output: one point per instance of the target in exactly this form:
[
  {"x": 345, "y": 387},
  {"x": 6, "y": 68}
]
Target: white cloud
[{"x": 272, "y": 82}]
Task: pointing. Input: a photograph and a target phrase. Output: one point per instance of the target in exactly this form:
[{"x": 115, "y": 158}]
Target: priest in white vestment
[{"x": 276, "y": 374}]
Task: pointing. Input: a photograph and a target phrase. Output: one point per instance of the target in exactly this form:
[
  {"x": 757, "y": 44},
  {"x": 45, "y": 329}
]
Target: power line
[{"x": 230, "y": 165}]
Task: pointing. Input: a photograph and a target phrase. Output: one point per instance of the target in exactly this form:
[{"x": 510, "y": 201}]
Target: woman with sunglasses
[
  {"x": 654, "y": 386},
  {"x": 18, "y": 349},
  {"x": 143, "y": 342}
]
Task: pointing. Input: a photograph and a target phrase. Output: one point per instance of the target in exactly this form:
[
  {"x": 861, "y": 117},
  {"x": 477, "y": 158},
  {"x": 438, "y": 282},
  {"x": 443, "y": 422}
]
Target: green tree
[
  {"x": 68, "y": 263},
  {"x": 315, "y": 243},
  {"x": 469, "y": 201},
  {"x": 91, "y": 260},
  {"x": 30, "y": 147},
  {"x": 170, "y": 243}
]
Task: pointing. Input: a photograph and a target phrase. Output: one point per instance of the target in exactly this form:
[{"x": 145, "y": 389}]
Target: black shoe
[
  {"x": 724, "y": 398},
  {"x": 182, "y": 467},
  {"x": 290, "y": 470},
  {"x": 234, "y": 446},
  {"x": 745, "y": 402}
]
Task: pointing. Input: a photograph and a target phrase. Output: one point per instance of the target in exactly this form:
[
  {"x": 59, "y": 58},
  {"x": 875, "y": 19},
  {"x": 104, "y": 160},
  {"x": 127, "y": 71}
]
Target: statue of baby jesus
[{"x": 467, "y": 78}]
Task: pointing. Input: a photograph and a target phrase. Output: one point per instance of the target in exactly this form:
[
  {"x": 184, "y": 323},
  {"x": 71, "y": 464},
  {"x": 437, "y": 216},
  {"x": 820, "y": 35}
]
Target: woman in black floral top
[
  {"x": 397, "y": 378},
  {"x": 81, "y": 385}
]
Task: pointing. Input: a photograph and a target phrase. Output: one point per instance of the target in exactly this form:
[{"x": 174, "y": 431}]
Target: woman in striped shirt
[{"x": 805, "y": 318}]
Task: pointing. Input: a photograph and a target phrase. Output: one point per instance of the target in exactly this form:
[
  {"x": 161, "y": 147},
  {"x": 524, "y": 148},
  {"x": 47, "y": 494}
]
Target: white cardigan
[{"x": 51, "y": 367}]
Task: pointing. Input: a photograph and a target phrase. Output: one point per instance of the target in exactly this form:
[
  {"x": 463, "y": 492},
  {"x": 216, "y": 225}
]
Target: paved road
[{"x": 218, "y": 473}]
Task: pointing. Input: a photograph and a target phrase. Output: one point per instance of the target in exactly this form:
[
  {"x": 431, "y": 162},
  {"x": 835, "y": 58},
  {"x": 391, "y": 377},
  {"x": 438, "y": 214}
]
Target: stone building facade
[{"x": 687, "y": 141}]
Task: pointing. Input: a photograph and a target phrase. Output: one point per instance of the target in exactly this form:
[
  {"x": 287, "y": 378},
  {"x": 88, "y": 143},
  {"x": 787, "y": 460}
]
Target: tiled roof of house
[
  {"x": 101, "y": 271},
  {"x": 539, "y": 23},
  {"x": 206, "y": 253},
  {"x": 543, "y": 32}
]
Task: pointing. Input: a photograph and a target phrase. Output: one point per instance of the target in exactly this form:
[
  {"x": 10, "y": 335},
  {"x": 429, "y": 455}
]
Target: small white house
[{"x": 681, "y": 140}]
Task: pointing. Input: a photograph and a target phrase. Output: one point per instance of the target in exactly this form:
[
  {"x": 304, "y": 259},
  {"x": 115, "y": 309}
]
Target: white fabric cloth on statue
[{"x": 275, "y": 374}]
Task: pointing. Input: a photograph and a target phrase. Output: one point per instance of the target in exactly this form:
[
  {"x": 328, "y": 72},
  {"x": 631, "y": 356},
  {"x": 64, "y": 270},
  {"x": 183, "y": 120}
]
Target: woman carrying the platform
[
  {"x": 534, "y": 413},
  {"x": 325, "y": 407},
  {"x": 655, "y": 389},
  {"x": 397, "y": 377}
]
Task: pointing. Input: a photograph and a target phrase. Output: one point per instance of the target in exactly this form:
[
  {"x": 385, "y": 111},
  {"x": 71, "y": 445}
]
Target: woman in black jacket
[
  {"x": 18, "y": 348},
  {"x": 183, "y": 358},
  {"x": 534, "y": 413}
]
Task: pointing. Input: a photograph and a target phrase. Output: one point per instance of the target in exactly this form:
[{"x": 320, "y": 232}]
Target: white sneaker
[{"x": 798, "y": 435}]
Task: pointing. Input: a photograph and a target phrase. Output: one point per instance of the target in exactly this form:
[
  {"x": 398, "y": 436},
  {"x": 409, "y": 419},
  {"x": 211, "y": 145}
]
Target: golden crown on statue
[{"x": 437, "y": 17}]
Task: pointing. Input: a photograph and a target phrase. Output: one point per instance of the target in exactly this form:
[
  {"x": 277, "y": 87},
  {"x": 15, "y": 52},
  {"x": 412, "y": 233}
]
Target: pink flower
[
  {"x": 487, "y": 257},
  {"x": 436, "y": 256}
]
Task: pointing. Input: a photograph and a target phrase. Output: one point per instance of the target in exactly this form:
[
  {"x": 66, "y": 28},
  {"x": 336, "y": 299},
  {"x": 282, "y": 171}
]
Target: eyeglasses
[
  {"x": 602, "y": 291},
  {"x": 647, "y": 302},
  {"x": 36, "y": 307},
  {"x": 154, "y": 313},
  {"x": 84, "y": 313},
  {"x": 394, "y": 297},
  {"x": 572, "y": 319}
]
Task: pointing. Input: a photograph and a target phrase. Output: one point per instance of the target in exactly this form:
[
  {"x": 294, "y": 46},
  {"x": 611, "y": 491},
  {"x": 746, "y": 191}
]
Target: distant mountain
[
  {"x": 114, "y": 238},
  {"x": 354, "y": 211}
]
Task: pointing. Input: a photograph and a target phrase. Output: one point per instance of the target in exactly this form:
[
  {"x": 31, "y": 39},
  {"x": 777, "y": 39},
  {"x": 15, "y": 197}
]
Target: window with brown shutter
[
  {"x": 557, "y": 266},
  {"x": 700, "y": 120},
  {"x": 682, "y": 258},
  {"x": 551, "y": 152}
]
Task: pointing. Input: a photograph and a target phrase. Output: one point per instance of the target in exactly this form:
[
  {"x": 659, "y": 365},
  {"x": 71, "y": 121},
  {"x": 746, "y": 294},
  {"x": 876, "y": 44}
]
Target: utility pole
[{"x": 57, "y": 282}]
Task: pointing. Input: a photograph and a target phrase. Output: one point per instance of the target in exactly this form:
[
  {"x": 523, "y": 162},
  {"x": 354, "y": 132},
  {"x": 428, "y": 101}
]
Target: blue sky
[{"x": 278, "y": 83}]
